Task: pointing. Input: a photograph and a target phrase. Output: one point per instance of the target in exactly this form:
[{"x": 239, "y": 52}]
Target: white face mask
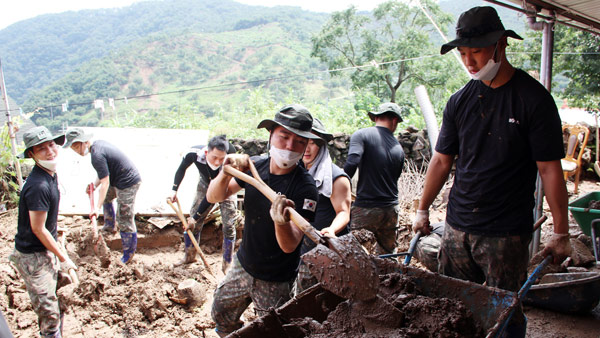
[
  {"x": 211, "y": 166},
  {"x": 48, "y": 165},
  {"x": 489, "y": 71},
  {"x": 86, "y": 150},
  {"x": 284, "y": 158}
]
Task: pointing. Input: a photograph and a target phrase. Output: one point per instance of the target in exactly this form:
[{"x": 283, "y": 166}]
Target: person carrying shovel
[
  {"x": 207, "y": 159},
  {"x": 37, "y": 255},
  {"x": 335, "y": 195},
  {"x": 117, "y": 178},
  {"x": 502, "y": 127},
  {"x": 264, "y": 268}
]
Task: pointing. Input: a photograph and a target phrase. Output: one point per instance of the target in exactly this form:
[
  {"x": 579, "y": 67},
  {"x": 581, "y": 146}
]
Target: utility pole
[{"x": 11, "y": 130}]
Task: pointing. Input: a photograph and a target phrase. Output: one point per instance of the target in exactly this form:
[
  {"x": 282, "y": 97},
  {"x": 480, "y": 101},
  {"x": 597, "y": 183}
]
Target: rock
[
  {"x": 581, "y": 255},
  {"x": 576, "y": 269},
  {"x": 192, "y": 291},
  {"x": 138, "y": 270}
]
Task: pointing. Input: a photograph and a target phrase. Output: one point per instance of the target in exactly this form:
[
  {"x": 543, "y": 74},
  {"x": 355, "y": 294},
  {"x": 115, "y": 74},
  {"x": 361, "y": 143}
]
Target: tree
[
  {"x": 396, "y": 31},
  {"x": 581, "y": 66}
]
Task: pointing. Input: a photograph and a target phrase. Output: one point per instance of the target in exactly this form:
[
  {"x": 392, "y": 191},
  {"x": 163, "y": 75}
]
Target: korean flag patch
[{"x": 309, "y": 205}]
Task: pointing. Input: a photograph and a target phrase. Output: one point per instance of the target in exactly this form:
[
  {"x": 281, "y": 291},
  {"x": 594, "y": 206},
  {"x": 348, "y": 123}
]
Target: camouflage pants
[
  {"x": 228, "y": 211},
  {"x": 382, "y": 222},
  {"x": 40, "y": 272},
  {"x": 304, "y": 280},
  {"x": 499, "y": 261},
  {"x": 125, "y": 206},
  {"x": 237, "y": 290}
]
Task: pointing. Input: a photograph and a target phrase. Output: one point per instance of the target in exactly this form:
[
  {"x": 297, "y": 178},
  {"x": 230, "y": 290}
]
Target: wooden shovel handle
[
  {"x": 256, "y": 182},
  {"x": 92, "y": 208},
  {"x": 72, "y": 272},
  {"x": 179, "y": 213}
]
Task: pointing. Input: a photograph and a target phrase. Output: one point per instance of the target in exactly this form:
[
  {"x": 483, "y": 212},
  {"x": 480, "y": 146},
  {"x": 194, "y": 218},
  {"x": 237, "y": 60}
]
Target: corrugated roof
[{"x": 581, "y": 14}]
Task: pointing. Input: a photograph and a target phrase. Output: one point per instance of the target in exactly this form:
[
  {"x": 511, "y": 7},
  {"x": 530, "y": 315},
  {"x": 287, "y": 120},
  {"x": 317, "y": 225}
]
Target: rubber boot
[
  {"x": 190, "y": 251},
  {"x": 129, "y": 241},
  {"x": 109, "y": 217},
  {"x": 227, "y": 253}
]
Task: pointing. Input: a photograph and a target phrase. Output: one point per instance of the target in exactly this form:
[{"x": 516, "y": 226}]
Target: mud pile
[{"x": 421, "y": 316}]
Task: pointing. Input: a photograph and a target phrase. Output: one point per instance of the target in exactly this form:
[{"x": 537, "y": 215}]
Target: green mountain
[
  {"x": 38, "y": 51},
  {"x": 203, "y": 73}
]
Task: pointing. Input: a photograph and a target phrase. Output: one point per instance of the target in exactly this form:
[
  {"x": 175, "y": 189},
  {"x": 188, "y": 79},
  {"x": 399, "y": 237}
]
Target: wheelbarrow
[
  {"x": 588, "y": 218},
  {"x": 575, "y": 292},
  {"x": 491, "y": 307}
]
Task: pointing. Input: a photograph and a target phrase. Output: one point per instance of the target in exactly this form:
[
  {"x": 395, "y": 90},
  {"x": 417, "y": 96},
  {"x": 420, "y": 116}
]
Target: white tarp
[{"x": 155, "y": 152}]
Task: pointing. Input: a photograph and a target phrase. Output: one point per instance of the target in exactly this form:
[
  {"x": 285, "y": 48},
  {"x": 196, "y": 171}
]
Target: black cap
[
  {"x": 294, "y": 117},
  {"x": 478, "y": 27}
]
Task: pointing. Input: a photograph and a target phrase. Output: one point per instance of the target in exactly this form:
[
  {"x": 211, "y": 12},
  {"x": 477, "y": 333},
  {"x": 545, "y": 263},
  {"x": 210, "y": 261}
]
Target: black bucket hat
[
  {"x": 39, "y": 135},
  {"x": 385, "y": 108},
  {"x": 478, "y": 27},
  {"x": 294, "y": 117},
  {"x": 319, "y": 131}
]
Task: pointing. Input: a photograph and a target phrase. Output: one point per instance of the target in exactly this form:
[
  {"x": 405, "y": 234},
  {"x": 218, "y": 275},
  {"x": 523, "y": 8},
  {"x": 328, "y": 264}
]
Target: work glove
[
  {"x": 279, "y": 212},
  {"x": 237, "y": 161},
  {"x": 66, "y": 265},
  {"x": 191, "y": 223},
  {"x": 174, "y": 197},
  {"x": 421, "y": 223},
  {"x": 559, "y": 246}
]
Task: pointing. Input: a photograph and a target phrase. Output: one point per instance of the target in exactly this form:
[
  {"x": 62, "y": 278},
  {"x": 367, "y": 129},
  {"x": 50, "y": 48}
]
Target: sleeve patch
[{"x": 309, "y": 205}]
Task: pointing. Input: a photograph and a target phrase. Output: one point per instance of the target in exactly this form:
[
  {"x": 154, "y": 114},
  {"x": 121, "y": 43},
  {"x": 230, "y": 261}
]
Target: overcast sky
[{"x": 12, "y": 11}]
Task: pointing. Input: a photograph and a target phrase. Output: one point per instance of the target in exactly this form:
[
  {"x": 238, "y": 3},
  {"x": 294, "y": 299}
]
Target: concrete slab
[{"x": 155, "y": 152}]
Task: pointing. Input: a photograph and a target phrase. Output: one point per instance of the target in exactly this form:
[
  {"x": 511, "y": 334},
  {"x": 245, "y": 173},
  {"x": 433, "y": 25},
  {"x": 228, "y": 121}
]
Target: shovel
[
  {"x": 99, "y": 245},
  {"x": 597, "y": 163},
  {"x": 339, "y": 264},
  {"x": 179, "y": 213},
  {"x": 72, "y": 272}
]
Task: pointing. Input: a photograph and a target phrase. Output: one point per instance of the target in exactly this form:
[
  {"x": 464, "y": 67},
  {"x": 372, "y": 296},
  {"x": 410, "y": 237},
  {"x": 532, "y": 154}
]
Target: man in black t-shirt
[
  {"x": 265, "y": 266},
  {"x": 501, "y": 126},
  {"x": 118, "y": 178},
  {"x": 379, "y": 157},
  {"x": 37, "y": 253},
  {"x": 335, "y": 195},
  {"x": 207, "y": 159}
]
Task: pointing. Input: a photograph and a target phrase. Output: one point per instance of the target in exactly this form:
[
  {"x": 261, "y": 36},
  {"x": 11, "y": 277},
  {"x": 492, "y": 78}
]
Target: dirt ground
[{"x": 140, "y": 299}]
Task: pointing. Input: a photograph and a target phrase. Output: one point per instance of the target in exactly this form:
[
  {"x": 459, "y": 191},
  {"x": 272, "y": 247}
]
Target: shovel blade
[{"x": 344, "y": 268}]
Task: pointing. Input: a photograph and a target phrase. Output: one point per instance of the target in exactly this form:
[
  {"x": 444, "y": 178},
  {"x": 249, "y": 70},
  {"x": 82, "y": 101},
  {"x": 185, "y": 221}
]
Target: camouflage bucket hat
[{"x": 39, "y": 135}]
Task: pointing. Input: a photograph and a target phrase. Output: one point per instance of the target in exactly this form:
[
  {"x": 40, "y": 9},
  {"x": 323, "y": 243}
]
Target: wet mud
[{"x": 399, "y": 311}]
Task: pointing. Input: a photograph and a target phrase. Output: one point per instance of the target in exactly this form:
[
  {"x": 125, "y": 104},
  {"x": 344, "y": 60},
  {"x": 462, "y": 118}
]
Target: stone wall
[{"x": 414, "y": 142}]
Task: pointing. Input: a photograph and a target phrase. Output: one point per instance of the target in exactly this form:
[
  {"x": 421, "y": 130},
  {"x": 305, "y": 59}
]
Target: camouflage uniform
[
  {"x": 126, "y": 202},
  {"x": 382, "y": 222},
  {"x": 39, "y": 271},
  {"x": 304, "y": 280},
  {"x": 228, "y": 211},
  {"x": 237, "y": 290},
  {"x": 499, "y": 261}
]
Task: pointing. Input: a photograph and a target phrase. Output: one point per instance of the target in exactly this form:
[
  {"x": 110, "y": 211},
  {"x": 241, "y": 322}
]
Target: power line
[{"x": 278, "y": 77}]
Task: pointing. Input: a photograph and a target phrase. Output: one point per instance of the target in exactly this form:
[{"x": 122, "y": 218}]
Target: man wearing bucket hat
[
  {"x": 37, "y": 253},
  {"x": 208, "y": 160},
  {"x": 335, "y": 195},
  {"x": 117, "y": 178},
  {"x": 264, "y": 268},
  {"x": 502, "y": 126},
  {"x": 379, "y": 157}
]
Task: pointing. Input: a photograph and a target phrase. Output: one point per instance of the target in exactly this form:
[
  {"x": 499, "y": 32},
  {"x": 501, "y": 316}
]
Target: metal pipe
[
  {"x": 11, "y": 130},
  {"x": 428, "y": 114}
]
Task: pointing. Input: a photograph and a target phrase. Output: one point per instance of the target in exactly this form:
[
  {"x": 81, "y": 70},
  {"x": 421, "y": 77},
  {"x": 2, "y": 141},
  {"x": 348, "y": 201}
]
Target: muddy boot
[
  {"x": 190, "y": 252},
  {"x": 129, "y": 241},
  {"x": 109, "y": 218},
  {"x": 227, "y": 254}
]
